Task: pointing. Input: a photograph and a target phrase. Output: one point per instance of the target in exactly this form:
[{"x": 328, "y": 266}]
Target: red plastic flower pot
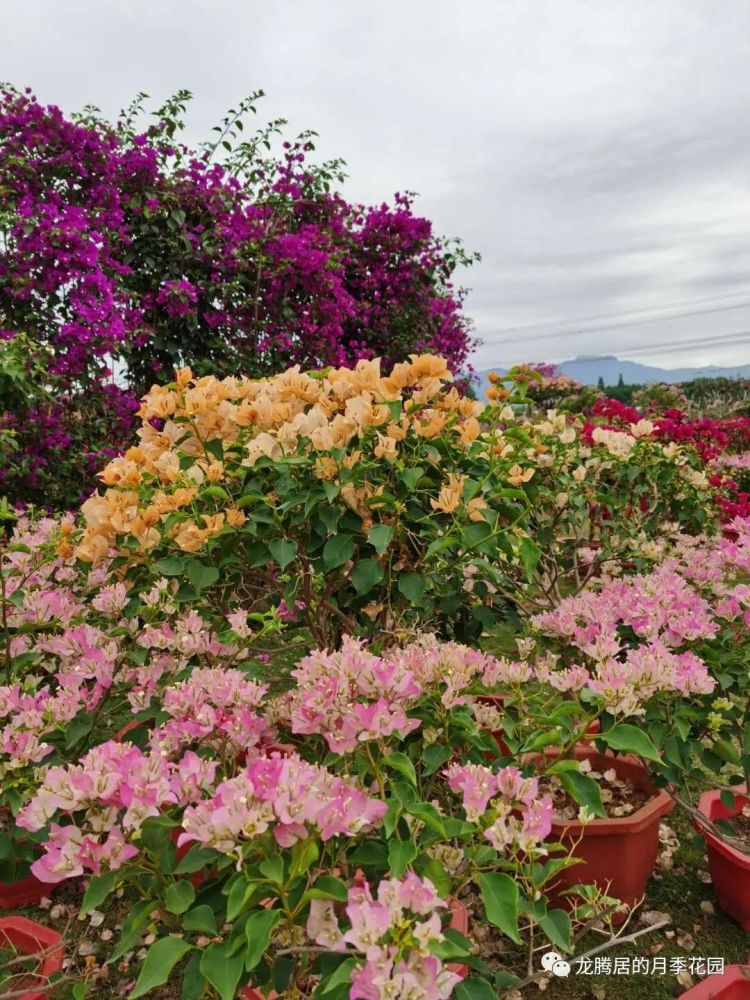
[
  {"x": 459, "y": 922},
  {"x": 618, "y": 853},
  {"x": 26, "y": 892},
  {"x": 732, "y": 984},
  {"x": 29, "y": 938},
  {"x": 730, "y": 868}
]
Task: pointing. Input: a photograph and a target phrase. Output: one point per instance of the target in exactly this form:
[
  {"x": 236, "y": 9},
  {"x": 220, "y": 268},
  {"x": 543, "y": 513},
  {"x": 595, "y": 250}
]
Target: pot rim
[
  {"x": 661, "y": 804},
  {"x": 707, "y": 988},
  {"x": 705, "y": 802}
]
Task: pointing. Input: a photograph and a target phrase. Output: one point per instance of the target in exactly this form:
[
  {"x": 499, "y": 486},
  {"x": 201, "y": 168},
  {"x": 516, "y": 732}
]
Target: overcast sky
[{"x": 595, "y": 152}]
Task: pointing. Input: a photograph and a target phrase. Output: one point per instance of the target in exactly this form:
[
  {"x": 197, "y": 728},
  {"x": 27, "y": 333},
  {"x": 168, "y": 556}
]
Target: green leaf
[
  {"x": 242, "y": 888},
  {"x": 370, "y": 854},
  {"x": 258, "y": 929},
  {"x": 79, "y": 991},
  {"x": 367, "y": 574},
  {"x": 412, "y": 586},
  {"x": 474, "y": 988},
  {"x": 193, "y": 983},
  {"x": 77, "y": 729},
  {"x": 329, "y": 887},
  {"x": 437, "y": 874},
  {"x": 500, "y": 895},
  {"x": 156, "y": 838},
  {"x": 530, "y": 556},
  {"x": 337, "y": 550},
  {"x": 202, "y": 576},
  {"x": 401, "y": 853},
  {"x": 281, "y": 972},
  {"x": 401, "y": 763},
  {"x": 170, "y": 566},
  {"x": 99, "y": 888},
  {"x": 630, "y": 739},
  {"x": 410, "y": 477},
  {"x": 380, "y": 536},
  {"x": 272, "y": 868},
  {"x": 196, "y": 859},
  {"x": 304, "y": 854},
  {"x": 222, "y": 970},
  {"x": 556, "y": 925},
  {"x": 727, "y": 798},
  {"x": 160, "y": 959},
  {"x": 179, "y": 896},
  {"x": 201, "y": 919},
  {"x": 434, "y": 755},
  {"x": 583, "y": 790},
  {"x": 132, "y": 927},
  {"x": 339, "y": 977},
  {"x": 283, "y": 550},
  {"x": 428, "y": 814},
  {"x": 725, "y": 750}
]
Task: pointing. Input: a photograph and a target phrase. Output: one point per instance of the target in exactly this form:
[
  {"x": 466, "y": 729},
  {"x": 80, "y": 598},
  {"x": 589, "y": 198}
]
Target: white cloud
[{"x": 594, "y": 151}]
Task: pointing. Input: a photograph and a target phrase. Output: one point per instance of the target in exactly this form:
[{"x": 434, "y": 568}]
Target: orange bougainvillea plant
[{"x": 350, "y": 500}]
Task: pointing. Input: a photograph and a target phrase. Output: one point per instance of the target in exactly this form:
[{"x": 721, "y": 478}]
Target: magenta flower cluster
[{"x": 130, "y": 252}]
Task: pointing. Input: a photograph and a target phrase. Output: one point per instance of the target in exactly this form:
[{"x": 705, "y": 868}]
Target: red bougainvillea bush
[{"x": 124, "y": 251}]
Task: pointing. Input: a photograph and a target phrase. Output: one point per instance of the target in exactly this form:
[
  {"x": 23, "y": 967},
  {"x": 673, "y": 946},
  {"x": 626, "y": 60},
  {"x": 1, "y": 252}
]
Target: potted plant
[
  {"x": 45, "y": 950},
  {"x": 728, "y": 850},
  {"x": 732, "y": 984},
  {"x": 617, "y": 853}
]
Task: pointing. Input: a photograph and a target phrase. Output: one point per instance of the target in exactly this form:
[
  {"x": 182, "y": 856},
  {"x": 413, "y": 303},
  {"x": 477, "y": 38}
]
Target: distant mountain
[{"x": 588, "y": 369}]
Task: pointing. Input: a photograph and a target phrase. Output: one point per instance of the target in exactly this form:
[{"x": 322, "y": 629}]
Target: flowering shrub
[
  {"x": 286, "y": 850},
  {"x": 82, "y": 651},
  {"x": 719, "y": 569},
  {"x": 600, "y": 499},
  {"x": 250, "y": 858},
  {"x": 124, "y": 250},
  {"x": 318, "y": 827},
  {"x": 658, "y": 659},
  {"x": 548, "y": 389},
  {"x": 354, "y": 501}
]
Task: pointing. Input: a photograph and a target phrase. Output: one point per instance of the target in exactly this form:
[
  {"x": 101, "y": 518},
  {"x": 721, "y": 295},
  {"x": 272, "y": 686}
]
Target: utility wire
[
  {"x": 521, "y": 330},
  {"x": 679, "y": 304}
]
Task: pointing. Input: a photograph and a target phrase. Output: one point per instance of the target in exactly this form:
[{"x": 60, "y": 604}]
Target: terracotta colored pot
[
  {"x": 618, "y": 854},
  {"x": 733, "y": 984},
  {"x": 730, "y": 868},
  {"x": 459, "y": 922},
  {"x": 26, "y": 892},
  {"x": 28, "y": 938}
]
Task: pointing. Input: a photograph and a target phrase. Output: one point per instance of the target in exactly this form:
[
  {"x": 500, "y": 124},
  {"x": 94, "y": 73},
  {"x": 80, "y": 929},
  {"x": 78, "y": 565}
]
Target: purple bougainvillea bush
[{"x": 124, "y": 253}]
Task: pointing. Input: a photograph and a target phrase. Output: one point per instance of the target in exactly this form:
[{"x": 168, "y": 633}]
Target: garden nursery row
[
  {"x": 319, "y": 676},
  {"x": 347, "y": 684}
]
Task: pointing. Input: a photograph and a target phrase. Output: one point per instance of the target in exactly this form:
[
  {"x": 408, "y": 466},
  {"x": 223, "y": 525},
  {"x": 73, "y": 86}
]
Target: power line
[
  {"x": 679, "y": 304},
  {"x": 615, "y": 326},
  {"x": 726, "y": 340}
]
